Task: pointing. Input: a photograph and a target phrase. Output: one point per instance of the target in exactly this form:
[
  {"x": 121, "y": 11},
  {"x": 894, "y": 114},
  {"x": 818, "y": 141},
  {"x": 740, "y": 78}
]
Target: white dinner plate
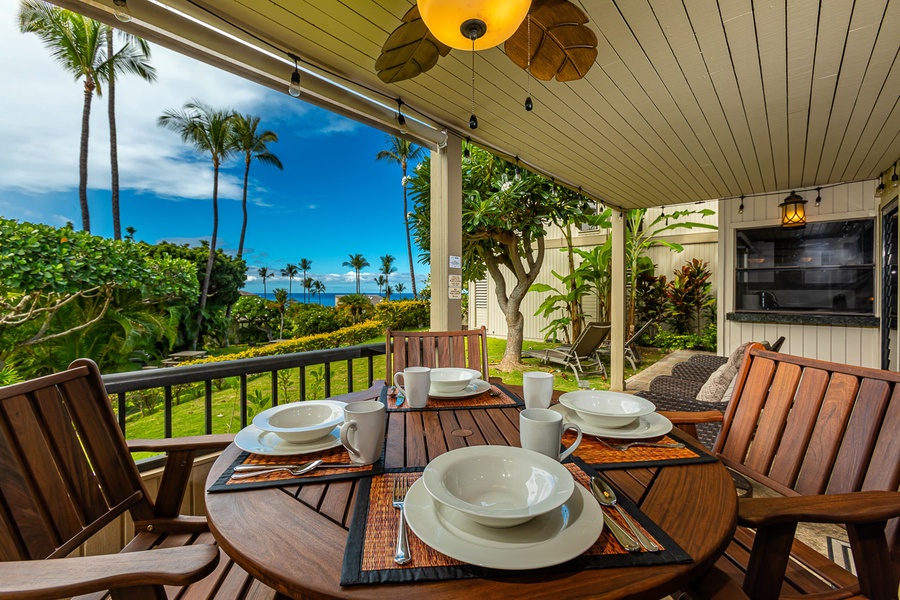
[
  {"x": 647, "y": 426},
  {"x": 255, "y": 440},
  {"x": 544, "y": 541},
  {"x": 478, "y": 386}
]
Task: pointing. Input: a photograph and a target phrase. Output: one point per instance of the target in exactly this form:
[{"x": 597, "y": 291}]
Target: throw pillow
[
  {"x": 714, "y": 388},
  {"x": 737, "y": 356}
]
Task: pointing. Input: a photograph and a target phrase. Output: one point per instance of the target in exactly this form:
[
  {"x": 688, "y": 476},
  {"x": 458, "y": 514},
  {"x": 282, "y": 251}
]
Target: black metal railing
[{"x": 119, "y": 384}]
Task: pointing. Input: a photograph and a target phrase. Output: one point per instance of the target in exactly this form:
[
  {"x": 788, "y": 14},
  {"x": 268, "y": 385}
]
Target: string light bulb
[
  {"x": 294, "y": 88},
  {"x": 895, "y": 181},
  {"x": 466, "y": 154},
  {"x": 741, "y": 207},
  {"x": 122, "y": 12},
  {"x": 401, "y": 120},
  {"x": 518, "y": 174},
  {"x": 818, "y": 197}
]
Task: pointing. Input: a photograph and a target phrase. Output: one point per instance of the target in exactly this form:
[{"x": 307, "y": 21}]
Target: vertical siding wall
[
  {"x": 849, "y": 345},
  {"x": 483, "y": 296}
]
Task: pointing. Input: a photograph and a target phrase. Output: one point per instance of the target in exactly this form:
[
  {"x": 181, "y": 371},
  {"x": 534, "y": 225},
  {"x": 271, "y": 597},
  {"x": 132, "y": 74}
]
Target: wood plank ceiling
[{"x": 688, "y": 100}]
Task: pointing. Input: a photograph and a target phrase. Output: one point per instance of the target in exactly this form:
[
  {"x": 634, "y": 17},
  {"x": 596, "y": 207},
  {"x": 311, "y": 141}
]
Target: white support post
[
  {"x": 446, "y": 236},
  {"x": 617, "y": 308}
]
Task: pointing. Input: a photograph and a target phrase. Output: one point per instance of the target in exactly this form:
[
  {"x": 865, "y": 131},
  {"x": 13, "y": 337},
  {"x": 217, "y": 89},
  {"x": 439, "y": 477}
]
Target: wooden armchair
[
  {"x": 67, "y": 473},
  {"x": 825, "y": 436},
  {"x": 465, "y": 349}
]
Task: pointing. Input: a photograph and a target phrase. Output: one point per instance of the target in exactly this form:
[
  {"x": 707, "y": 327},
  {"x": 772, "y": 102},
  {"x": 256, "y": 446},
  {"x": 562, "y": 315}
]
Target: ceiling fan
[{"x": 552, "y": 40}]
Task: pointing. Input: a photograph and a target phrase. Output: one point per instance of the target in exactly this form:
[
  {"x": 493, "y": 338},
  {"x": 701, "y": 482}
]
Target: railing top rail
[{"x": 154, "y": 378}]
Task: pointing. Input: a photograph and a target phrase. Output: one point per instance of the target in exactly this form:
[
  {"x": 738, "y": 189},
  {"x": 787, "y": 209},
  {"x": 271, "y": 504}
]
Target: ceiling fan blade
[
  {"x": 410, "y": 50},
  {"x": 562, "y": 46}
]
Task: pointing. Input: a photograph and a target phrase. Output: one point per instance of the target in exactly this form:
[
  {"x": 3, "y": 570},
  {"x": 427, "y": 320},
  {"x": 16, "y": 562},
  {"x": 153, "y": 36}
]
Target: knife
[
  {"x": 628, "y": 542},
  {"x": 246, "y": 468}
]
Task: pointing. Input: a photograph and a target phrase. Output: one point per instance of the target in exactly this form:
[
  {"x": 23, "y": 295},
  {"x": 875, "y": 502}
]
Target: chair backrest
[
  {"x": 66, "y": 470},
  {"x": 637, "y": 334},
  {"x": 590, "y": 338},
  {"x": 809, "y": 427},
  {"x": 467, "y": 349}
]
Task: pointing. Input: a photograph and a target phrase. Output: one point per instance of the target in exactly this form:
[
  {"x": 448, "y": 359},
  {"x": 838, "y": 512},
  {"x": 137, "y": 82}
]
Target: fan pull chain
[
  {"x": 473, "y": 120},
  {"x": 528, "y": 103}
]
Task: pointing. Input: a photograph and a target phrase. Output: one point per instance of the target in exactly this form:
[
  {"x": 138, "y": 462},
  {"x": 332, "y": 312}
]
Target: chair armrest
[
  {"x": 181, "y": 444},
  {"x": 856, "y": 507},
  {"x": 39, "y": 580},
  {"x": 692, "y": 418}
]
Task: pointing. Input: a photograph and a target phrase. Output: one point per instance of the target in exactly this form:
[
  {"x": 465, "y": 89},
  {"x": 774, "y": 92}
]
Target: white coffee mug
[
  {"x": 416, "y": 381},
  {"x": 362, "y": 433},
  {"x": 541, "y": 430},
  {"x": 537, "y": 387}
]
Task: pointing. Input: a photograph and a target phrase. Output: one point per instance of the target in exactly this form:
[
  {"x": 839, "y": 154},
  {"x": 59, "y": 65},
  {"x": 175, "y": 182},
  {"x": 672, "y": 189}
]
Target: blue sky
[{"x": 331, "y": 200}]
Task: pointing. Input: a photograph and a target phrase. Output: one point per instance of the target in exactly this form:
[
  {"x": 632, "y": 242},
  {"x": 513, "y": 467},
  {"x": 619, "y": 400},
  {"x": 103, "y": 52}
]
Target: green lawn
[{"x": 188, "y": 411}]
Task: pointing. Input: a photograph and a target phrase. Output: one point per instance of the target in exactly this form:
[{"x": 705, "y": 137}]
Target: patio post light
[
  {"x": 122, "y": 12},
  {"x": 793, "y": 213}
]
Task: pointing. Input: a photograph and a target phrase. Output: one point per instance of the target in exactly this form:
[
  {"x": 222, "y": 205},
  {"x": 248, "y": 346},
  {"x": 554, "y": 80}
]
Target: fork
[
  {"x": 623, "y": 447},
  {"x": 401, "y": 551}
]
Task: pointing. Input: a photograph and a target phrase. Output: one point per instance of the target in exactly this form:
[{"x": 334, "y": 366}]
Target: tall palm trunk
[
  {"x": 113, "y": 143},
  {"x": 83, "y": 157},
  {"x": 204, "y": 291},
  {"x": 240, "y": 251},
  {"x": 412, "y": 269}
]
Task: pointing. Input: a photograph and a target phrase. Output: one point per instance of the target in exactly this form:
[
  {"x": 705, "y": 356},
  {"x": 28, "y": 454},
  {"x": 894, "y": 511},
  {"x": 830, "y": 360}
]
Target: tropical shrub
[
  {"x": 255, "y": 320},
  {"x": 403, "y": 315},
  {"x": 357, "y": 307},
  {"x": 705, "y": 340},
  {"x": 689, "y": 296},
  {"x": 310, "y": 319}
]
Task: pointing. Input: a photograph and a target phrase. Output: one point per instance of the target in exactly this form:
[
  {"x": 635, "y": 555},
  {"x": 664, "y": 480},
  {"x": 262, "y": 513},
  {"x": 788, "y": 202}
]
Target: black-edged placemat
[
  {"x": 368, "y": 557},
  {"x": 497, "y": 397},
  {"x": 600, "y": 456},
  {"x": 320, "y": 474}
]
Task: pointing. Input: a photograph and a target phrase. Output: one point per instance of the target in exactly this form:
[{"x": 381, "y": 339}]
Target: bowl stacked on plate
[
  {"x": 450, "y": 380},
  {"x": 609, "y": 410},
  {"x": 301, "y": 422},
  {"x": 498, "y": 486}
]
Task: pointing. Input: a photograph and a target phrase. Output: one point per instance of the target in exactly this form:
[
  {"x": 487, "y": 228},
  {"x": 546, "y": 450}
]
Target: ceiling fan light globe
[{"x": 445, "y": 19}]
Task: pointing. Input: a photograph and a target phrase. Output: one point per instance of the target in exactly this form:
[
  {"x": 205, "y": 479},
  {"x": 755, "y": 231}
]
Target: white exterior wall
[
  {"x": 488, "y": 311},
  {"x": 843, "y": 344}
]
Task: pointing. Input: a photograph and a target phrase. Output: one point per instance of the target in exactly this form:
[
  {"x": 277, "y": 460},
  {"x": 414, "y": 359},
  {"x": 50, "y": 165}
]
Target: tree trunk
[
  {"x": 83, "y": 155},
  {"x": 512, "y": 356},
  {"x": 412, "y": 269},
  {"x": 574, "y": 307},
  {"x": 204, "y": 290},
  {"x": 240, "y": 251},
  {"x": 113, "y": 144}
]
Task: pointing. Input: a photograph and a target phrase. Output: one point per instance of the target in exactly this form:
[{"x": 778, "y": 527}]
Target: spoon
[
  {"x": 605, "y": 495},
  {"x": 299, "y": 471}
]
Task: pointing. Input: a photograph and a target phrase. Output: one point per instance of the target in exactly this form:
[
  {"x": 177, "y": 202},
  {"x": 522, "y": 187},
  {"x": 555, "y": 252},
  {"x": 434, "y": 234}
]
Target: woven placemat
[
  {"x": 497, "y": 397},
  {"x": 600, "y": 456},
  {"x": 369, "y": 554},
  {"x": 320, "y": 474}
]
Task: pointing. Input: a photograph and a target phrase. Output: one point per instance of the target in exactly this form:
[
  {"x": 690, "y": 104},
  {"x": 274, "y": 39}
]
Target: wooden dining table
[{"x": 292, "y": 538}]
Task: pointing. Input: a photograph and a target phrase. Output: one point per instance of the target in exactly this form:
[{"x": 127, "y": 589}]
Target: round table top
[{"x": 292, "y": 538}]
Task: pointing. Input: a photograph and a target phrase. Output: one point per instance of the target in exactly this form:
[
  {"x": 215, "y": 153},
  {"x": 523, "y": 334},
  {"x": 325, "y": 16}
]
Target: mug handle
[
  {"x": 345, "y": 437},
  {"x": 570, "y": 449},
  {"x": 397, "y": 384}
]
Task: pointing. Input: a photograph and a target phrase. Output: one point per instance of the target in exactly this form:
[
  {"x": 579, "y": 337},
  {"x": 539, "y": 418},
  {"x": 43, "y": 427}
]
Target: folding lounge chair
[{"x": 581, "y": 356}]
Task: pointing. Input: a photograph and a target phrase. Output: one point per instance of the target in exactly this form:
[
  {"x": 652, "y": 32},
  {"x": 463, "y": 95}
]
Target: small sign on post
[
  {"x": 455, "y": 262},
  {"x": 455, "y": 281},
  {"x": 455, "y": 293}
]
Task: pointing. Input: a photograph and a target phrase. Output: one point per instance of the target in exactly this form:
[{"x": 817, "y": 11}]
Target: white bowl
[
  {"x": 498, "y": 486},
  {"x": 607, "y": 409},
  {"x": 450, "y": 379},
  {"x": 302, "y": 422}
]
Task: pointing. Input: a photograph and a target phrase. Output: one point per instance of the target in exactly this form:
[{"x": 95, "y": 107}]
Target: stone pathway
[{"x": 641, "y": 381}]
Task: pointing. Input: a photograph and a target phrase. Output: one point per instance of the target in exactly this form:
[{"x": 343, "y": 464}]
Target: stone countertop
[{"x": 797, "y": 318}]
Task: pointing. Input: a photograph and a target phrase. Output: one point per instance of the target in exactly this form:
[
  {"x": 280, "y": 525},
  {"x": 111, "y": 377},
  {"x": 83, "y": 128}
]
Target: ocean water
[{"x": 328, "y": 298}]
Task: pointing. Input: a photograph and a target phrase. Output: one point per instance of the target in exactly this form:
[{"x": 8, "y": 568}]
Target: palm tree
[
  {"x": 77, "y": 44},
  {"x": 252, "y": 144},
  {"x": 264, "y": 274},
  {"x": 305, "y": 265},
  {"x": 138, "y": 52},
  {"x": 399, "y": 288},
  {"x": 281, "y": 298},
  {"x": 387, "y": 267},
  {"x": 381, "y": 282},
  {"x": 130, "y": 231},
  {"x": 317, "y": 287},
  {"x": 290, "y": 272},
  {"x": 307, "y": 286},
  {"x": 209, "y": 130},
  {"x": 402, "y": 152},
  {"x": 358, "y": 262}
]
